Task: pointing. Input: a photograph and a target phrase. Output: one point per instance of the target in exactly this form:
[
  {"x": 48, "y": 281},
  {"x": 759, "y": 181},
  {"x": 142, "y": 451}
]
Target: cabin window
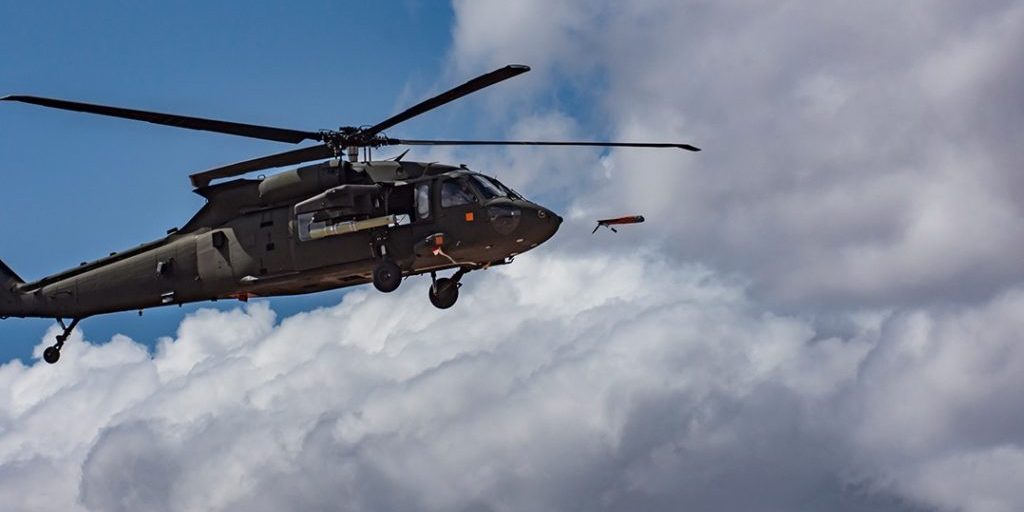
[
  {"x": 455, "y": 193},
  {"x": 423, "y": 200}
]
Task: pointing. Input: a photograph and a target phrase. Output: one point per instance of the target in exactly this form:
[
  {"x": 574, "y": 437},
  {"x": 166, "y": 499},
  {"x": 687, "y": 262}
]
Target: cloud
[
  {"x": 854, "y": 154},
  {"x": 589, "y": 380}
]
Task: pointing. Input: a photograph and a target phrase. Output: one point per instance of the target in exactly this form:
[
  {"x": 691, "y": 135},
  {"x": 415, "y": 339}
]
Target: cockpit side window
[
  {"x": 488, "y": 188},
  {"x": 455, "y": 192},
  {"x": 491, "y": 188}
]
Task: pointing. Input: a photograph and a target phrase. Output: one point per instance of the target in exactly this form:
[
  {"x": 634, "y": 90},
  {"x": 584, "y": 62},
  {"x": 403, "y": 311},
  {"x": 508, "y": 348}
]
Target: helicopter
[{"x": 337, "y": 223}]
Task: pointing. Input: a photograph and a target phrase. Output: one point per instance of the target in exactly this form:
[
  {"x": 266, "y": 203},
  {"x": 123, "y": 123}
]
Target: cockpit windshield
[{"x": 491, "y": 188}]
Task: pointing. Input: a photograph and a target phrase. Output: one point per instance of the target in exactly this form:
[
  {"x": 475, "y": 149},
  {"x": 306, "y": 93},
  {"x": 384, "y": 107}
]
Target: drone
[
  {"x": 337, "y": 223},
  {"x": 617, "y": 221}
]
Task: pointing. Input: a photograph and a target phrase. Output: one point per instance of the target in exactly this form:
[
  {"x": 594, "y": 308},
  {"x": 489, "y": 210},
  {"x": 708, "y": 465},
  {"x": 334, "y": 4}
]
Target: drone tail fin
[{"x": 8, "y": 282}]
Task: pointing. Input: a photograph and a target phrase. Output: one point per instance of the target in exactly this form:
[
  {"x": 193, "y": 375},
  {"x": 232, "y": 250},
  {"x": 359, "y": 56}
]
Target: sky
[{"x": 822, "y": 311}]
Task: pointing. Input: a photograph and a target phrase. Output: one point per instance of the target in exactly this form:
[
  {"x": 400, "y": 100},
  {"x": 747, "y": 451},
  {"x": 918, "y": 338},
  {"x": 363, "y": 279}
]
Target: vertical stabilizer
[
  {"x": 8, "y": 281},
  {"x": 8, "y": 278}
]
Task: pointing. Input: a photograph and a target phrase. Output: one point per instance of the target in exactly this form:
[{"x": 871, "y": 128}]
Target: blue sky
[{"x": 81, "y": 186}]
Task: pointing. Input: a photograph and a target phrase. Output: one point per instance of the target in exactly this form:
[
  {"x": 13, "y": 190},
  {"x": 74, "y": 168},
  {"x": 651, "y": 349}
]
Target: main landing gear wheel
[
  {"x": 444, "y": 292},
  {"x": 387, "y": 276}
]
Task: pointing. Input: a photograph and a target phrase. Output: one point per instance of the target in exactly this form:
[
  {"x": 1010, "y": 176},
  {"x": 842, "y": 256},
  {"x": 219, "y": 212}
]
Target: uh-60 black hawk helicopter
[{"x": 330, "y": 225}]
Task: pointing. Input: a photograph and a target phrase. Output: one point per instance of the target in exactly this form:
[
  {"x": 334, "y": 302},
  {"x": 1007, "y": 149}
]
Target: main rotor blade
[
  {"x": 480, "y": 82},
  {"x": 415, "y": 142},
  {"x": 294, "y": 157},
  {"x": 194, "y": 123}
]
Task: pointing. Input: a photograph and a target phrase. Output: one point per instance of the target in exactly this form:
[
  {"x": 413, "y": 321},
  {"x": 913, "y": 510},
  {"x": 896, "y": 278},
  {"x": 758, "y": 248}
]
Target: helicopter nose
[
  {"x": 547, "y": 225},
  {"x": 529, "y": 224}
]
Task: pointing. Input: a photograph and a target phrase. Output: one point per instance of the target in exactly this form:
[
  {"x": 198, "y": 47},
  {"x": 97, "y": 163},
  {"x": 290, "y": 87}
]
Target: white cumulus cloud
[{"x": 595, "y": 381}]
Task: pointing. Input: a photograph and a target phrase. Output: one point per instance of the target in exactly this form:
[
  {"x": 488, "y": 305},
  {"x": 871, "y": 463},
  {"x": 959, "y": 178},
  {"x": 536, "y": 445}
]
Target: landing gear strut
[
  {"x": 52, "y": 354},
  {"x": 445, "y": 291}
]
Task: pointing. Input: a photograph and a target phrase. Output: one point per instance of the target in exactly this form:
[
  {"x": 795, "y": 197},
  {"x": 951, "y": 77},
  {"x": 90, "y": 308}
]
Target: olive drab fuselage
[{"x": 267, "y": 238}]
